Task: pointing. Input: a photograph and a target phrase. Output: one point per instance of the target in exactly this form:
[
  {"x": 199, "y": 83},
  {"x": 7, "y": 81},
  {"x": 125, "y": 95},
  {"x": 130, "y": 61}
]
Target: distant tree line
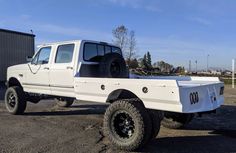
[{"x": 126, "y": 40}]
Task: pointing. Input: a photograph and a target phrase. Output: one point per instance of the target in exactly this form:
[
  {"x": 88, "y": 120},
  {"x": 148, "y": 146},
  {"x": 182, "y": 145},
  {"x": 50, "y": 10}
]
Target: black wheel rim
[
  {"x": 11, "y": 100},
  {"x": 115, "y": 69},
  {"x": 123, "y": 125}
]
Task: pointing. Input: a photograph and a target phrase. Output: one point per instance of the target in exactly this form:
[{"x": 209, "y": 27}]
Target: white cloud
[
  {"x": 200, "y": 20},
  {"x": 150, "y": 5},
  {"x": 49, "y": 32},
  {"x": 25, "y": 16},
  {"x": 71, "y": 31},
  {"x": 132, "y": 3}
]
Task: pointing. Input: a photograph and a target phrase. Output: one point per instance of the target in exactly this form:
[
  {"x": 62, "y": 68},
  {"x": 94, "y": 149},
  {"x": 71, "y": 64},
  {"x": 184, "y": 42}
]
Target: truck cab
[{"x": 54, "y": 66}]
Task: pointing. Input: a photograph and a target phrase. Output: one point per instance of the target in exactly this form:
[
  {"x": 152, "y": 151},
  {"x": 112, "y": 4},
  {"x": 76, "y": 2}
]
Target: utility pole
[
  {"x": 233, "y": 72},
  {"x": 190, "y": 65},
  {"x": 196, "y": 65},
  {"x": 208, "y": 62}
]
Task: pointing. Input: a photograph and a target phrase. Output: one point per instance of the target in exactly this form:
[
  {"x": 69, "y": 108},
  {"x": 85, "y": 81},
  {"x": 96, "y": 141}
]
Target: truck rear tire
[
  {"x": 127, "y": 125},
  {"x": 15, "y": 100},
  {"x": 176, "y": 120},
  {"x": 64, "y": 102},
  {"x": 113, "y": 65},
  {"x": 156, "y": 117}
]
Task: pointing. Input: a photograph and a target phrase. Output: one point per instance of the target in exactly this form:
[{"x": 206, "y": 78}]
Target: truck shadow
[
  {"x": 80, "y": 110},
  {"x": 2, "y": 92},
  {"x": 91, "y": 106},
  {"x": 225, "y": 118},
  {"x": 193, "y": 144},
  {"x": 221, "y": 137}
]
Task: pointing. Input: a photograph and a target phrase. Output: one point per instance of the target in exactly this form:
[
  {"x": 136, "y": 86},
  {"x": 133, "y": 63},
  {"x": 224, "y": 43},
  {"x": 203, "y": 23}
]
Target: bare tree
[
  {"x": 126, "y": 41},
  {"x": 120, "y": 36},
  {"x": 131, "y": 47}
]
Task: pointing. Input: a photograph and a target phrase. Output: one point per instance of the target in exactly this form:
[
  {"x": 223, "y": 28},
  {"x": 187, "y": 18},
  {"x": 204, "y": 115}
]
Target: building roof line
[{"x": 16, "y": 32}]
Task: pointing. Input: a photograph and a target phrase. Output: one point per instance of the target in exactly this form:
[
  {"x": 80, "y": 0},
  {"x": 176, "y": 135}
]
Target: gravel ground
[{"x": 48, "y": 128}]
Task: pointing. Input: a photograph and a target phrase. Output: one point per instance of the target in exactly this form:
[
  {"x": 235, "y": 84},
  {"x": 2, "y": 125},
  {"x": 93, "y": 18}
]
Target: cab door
[
  {"x": 37, "y": 75},
  {"x": 62, "y": 71}
]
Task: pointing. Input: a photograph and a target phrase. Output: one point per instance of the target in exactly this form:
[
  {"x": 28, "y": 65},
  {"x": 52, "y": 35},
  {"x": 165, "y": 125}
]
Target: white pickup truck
[{"x": 96, "y": 71}]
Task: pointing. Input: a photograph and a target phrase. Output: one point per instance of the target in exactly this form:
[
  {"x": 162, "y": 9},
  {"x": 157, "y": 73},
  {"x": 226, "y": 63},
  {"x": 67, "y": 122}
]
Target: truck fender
[
  {"x": 13, "y": 82},
  {"x": 121, "y": 94}
]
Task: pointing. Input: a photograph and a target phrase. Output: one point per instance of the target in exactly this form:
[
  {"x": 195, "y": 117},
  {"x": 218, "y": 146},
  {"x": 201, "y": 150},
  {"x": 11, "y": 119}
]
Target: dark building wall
[{"x": 14, "y": 48}]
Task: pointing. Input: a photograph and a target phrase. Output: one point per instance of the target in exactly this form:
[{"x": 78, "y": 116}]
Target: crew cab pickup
[{"x": 97, "y": 72}]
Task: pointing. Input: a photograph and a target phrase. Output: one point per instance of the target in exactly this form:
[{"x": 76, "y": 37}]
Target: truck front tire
[
  {"x": 127, "y": 124},
  {"x": 15, "y": 100},
  {"x": 64, "y": 102},
  {"x": 176, "y": 120}
]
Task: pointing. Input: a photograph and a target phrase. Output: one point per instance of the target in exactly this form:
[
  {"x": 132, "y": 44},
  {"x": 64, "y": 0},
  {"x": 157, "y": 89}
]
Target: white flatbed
[{"x": 166, "y": 94}]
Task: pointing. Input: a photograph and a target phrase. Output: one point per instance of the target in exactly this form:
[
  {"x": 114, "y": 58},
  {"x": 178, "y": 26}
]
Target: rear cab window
[{"x": 93, "y": 52}]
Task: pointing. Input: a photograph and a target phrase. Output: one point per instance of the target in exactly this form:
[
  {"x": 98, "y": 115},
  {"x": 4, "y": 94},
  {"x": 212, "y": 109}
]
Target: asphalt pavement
[{"x": 47, "y": 128}]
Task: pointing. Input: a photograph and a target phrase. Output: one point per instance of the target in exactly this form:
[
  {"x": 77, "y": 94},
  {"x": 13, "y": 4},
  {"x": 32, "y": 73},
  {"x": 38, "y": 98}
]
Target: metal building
[{"x": 14, "y": 48}]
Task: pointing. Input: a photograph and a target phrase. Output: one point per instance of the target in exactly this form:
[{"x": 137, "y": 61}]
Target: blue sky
[{"x": 175, "y": 31}]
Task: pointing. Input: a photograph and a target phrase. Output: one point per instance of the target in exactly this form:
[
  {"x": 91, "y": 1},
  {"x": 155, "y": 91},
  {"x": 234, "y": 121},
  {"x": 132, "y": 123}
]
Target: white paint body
[{"x": 164, "y": 93}]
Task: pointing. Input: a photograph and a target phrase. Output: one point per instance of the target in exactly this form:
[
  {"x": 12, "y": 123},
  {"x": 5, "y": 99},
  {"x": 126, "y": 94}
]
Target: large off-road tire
[
  {"x": 15, "y": 100},
  {"x": 176, "y": 120},
  {"x": 156, "y": 118},
  {"x": 113, "y": 65},
  {"x": 64, "y": 102},
  {"x": 127, "y": 124}
]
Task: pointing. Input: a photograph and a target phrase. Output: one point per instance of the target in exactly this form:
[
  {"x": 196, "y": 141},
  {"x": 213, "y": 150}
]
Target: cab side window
[
  {"x": 42, "y": 56},
  {"x": 116, "y": 50},
  {"x": 65, "y": 53},
  {"x": 94, "y": 52},
  {"x": 90, "y": 52},
  {"x": 107, "y": 49}
]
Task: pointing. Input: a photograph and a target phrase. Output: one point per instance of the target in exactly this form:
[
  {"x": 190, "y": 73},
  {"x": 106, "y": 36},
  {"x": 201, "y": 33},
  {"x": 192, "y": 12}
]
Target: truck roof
[{"x": 75, "y": 41}]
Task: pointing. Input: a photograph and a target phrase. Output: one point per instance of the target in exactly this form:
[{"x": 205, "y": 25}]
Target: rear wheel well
[
  {"x": 121, "y": 94},
  {"x": 13, "y": 82}
]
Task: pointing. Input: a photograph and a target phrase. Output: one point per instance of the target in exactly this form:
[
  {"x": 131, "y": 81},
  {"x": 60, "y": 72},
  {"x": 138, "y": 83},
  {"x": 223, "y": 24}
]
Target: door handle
[
  {"x": 82, "y": 81},
  {"x": 46, "y": 68},
  {"x": 69, "y": 68}
]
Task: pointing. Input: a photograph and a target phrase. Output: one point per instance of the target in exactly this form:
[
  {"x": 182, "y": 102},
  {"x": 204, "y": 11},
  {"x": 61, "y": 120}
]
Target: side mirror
[
  {"x": 28, "y": 58},
  {"x": 44, "y": 62}
]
